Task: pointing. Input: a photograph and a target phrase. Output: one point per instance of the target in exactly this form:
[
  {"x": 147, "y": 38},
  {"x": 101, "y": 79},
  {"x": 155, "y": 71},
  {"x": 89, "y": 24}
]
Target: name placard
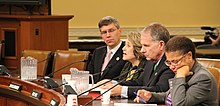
[
  {"x": 53, "y": 102},
  {"x": 36, "y": 94},
  {"x": 15, "y": 86}
]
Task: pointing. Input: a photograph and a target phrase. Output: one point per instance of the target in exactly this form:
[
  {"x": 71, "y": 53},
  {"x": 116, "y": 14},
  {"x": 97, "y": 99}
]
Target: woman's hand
[{"x": 146, "y": 95}]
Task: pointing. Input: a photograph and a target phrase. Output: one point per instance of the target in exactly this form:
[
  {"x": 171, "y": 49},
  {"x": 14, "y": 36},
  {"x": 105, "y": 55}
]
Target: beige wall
[{"x": 138, "y": 13}]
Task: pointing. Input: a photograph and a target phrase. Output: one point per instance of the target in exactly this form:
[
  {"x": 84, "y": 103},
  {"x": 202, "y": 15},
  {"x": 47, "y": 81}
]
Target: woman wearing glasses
[{"x": 192, "y": 85}]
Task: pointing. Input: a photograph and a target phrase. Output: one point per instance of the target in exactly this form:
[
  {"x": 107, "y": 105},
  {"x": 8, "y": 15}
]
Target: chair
[
  {"x": 216, "y": 74},
  {"x": 65, "y": 59},
  {"x": 209, "y": 62},
  {"x": 44, "y": 65}
]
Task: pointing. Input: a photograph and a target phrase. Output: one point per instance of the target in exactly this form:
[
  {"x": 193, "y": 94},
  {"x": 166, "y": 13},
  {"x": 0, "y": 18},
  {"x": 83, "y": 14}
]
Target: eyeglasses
[
  {"x": 108, "y": 31},
  {"x": 174, "y": 62}
]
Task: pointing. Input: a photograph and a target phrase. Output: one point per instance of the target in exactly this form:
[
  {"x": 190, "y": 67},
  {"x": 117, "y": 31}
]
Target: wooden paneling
[{"x": 34, "y": 32}]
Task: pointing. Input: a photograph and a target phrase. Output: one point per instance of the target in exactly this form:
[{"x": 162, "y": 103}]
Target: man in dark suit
[
  {"x": 107, "y": 60},
  {"x": 156, "y": 73}
]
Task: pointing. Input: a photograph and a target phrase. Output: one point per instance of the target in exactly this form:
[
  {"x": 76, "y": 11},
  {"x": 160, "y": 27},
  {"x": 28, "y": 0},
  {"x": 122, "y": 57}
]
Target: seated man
[
  {"x": 193, "y": 84},
  {"x": 107, "y": 62},
  {"x": 156, "y": 73}
]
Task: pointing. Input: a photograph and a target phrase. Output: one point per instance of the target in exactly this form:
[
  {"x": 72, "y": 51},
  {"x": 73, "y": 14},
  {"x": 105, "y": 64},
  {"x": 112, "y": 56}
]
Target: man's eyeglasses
[
  {"x": 174, "y": 62},
  {"x": 108, "y": 31}
]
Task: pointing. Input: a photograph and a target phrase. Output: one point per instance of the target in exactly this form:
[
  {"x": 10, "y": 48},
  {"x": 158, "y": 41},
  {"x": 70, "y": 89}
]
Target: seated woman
[{"x": 133, "y": 56}]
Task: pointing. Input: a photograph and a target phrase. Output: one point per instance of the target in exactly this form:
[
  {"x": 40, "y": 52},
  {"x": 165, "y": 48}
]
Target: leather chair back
[
  {"x": 44, "y": 58},
  {"x": 65, "y": 59},
  {"x": 209, "y": 62},
  {"x": 216, "y": 74}
]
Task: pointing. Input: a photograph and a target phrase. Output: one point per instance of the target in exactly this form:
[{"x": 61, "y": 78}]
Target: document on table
[{"x": 133, "y": 104}]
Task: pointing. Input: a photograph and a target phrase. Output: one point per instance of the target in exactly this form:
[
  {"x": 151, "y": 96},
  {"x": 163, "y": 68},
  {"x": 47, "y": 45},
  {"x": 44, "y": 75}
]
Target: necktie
[
  {"x": 168, "y": 100},
  {"x": 155, "y": 66},
  {"x": 107, "y": 59}
]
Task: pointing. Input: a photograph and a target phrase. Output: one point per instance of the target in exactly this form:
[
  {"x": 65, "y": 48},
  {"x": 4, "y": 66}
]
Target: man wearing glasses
[
  {"x": 156, "y": 73},
  {"x": 107, "y": 60},
  {"x": 193, "y": 84}
]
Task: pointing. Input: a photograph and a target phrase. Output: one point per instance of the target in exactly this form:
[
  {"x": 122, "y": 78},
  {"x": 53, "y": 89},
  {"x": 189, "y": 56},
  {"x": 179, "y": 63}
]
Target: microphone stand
[
  {"x": 137, "y": 71},
  {"x": 133, "y": 68},
  {"x": 51, "y": 83},
  {"x": 66, "y": 66}
]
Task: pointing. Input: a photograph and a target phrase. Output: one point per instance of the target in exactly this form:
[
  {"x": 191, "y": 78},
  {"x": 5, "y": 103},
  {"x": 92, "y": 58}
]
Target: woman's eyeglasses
[{"x": 174, "y": 62}]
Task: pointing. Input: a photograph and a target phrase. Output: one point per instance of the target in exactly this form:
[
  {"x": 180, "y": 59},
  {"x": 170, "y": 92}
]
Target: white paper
[{"x": 133, "y": 104}]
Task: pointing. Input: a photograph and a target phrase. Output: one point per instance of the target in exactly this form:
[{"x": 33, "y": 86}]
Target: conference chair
[
  {"x": 66, "y": 59},
  {"x": 216, "y": 73},
  {"x": 44, "y": 58},
  {"x": 207, "y": 62}
]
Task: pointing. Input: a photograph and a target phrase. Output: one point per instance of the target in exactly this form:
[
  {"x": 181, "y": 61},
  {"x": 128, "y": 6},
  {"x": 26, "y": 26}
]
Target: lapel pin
[{"x": 117, "y": 58}]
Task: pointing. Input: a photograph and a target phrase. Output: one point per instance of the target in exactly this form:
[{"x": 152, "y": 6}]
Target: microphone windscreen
[
  {"x": 140, "y": 70},
  {"x": 4, "y": 70},
  {"x": 85, "y": 60},
  {"x": 134, "y": 68},
  {"x": 69, "y": 90},
  {"x": 50, "y": 83}
]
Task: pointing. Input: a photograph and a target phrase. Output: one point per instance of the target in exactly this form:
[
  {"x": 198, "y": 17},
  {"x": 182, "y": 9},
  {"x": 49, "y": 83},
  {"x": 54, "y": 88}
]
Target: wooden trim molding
[{"x": 193, "y": 32}]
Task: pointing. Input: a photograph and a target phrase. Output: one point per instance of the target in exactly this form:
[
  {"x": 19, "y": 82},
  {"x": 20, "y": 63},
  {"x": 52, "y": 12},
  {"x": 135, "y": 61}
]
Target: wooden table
[{"x": 117, "y": 100}]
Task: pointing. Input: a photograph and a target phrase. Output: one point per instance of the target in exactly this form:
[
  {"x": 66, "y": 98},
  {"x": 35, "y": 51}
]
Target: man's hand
[
  {"x": 105, "y": 86},
  {"x": 116, "y": 91}
]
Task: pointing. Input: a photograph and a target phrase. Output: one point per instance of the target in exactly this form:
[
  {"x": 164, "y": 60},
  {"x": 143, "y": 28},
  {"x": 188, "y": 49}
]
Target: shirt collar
[{"x": 115, "y": 48}]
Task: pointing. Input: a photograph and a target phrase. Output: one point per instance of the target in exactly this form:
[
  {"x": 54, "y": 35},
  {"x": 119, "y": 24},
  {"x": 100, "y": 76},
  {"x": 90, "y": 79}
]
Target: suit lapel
[
  {"x": 158, "y": 70},
  {"x": 116, "y": 57},
  {"x": 149, "y": 70},
  {"x": 101, "y": 57}
]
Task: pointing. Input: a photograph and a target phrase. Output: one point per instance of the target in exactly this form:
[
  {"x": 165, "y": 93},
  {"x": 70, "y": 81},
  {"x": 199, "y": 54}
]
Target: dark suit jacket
[
  {"x": 155, "y": 81},
  {"x": 113, "y": 68},
  {"x": 127, "y": 67}
]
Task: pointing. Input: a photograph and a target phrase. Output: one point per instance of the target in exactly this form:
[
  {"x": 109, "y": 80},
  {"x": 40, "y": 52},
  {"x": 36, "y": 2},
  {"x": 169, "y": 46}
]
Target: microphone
[
  {"x": 109, "y": 66},
  {"x": 4, "y": 71},
  {"x": 133, "y": 68},
  {"x": 51, "y": 74},
  {"x": 61, "y": 85},
  {"x": 50, "y": 83},
  {"x": 43, "y": 60},
  {"x": 137, "y": 71}
]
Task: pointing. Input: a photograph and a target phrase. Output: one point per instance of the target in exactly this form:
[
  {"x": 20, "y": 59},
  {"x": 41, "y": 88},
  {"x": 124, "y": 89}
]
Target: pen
[{"x": 142, "y": 99}]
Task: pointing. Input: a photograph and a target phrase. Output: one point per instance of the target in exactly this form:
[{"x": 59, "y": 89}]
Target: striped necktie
[{"x": 169, "y": 100}]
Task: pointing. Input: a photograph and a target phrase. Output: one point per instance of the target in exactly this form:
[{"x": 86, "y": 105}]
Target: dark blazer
[
  {"x": 127, "y": 67},
  {"x": 113, "y": 68},
  {"x": 155, "y": 81}
]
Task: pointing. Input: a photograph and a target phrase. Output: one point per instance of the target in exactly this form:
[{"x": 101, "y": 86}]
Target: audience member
[
  {"x": 193, "y": 84},
  {"x": 156, "y": 73},
  {"x": 107, "y": 60},
  {"x": 215, "y": 42}
]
